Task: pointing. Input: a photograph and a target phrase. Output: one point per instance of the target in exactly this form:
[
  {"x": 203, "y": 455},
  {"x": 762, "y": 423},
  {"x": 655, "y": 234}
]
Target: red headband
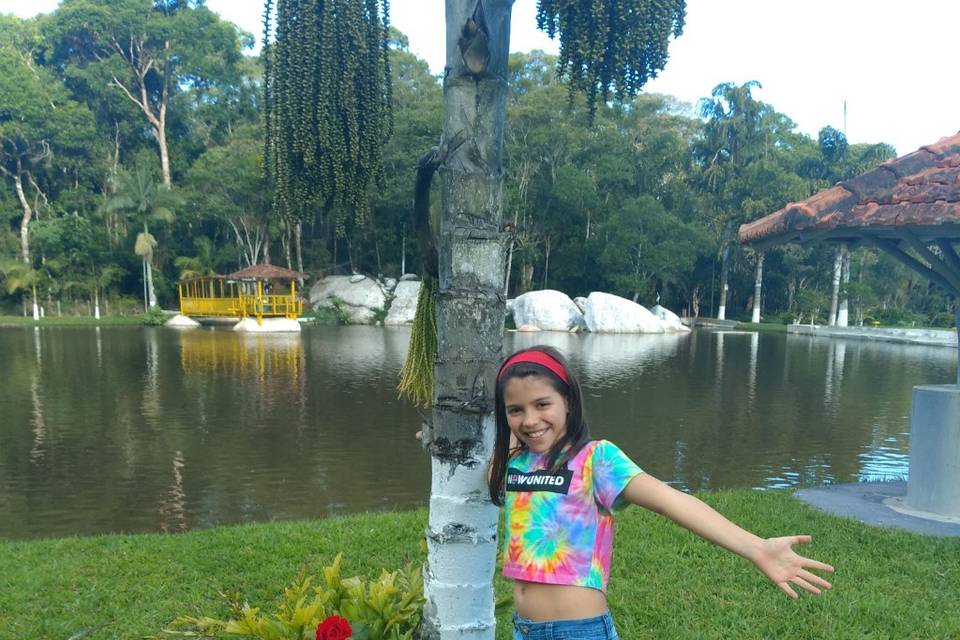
[{"x": 545, "y": 360}]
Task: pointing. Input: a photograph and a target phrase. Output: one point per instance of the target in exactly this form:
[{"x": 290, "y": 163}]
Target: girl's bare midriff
[{"x": 539, "y": 602}]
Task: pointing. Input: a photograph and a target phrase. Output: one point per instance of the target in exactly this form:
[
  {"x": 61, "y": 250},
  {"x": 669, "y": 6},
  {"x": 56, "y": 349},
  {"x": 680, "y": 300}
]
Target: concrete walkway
[
  {"x": 876, "y": 503},
  {"x": 936, "y": 337}
]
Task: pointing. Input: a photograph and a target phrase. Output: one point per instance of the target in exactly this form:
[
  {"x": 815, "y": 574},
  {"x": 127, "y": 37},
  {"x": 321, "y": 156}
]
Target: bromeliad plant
[{"x": 389, "y": 608}]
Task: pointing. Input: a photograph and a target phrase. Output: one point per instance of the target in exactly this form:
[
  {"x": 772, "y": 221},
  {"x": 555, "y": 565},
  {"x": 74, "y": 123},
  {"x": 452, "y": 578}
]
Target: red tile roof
[
  {"x": 266, "y": 272},
  {"x": 920, "y": 190}
]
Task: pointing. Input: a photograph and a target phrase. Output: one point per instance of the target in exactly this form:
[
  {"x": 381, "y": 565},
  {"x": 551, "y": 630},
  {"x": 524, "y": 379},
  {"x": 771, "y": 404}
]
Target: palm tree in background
[
  {"x": 18, "y": 276},
  {"x": 141, "y": 198}
]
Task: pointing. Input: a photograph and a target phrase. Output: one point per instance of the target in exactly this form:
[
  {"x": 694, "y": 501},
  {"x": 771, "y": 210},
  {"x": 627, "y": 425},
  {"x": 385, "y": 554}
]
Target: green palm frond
[{"x": 18, "y": 276}]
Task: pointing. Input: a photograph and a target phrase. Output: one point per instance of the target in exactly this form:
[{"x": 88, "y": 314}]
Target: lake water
[{"x": 130, "y": 429}]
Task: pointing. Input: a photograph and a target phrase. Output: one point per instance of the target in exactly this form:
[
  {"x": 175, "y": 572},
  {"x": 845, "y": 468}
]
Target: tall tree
[
  {"x": 147, "y": 51},
  {"x": 45, "y": 137},
  {"x": 227, "y": 183},
  {"x": 607, "y": 48}
]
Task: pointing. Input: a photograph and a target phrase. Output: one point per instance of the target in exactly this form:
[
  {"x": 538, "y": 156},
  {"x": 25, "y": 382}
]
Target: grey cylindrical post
[{"x": 934, "y": 483}]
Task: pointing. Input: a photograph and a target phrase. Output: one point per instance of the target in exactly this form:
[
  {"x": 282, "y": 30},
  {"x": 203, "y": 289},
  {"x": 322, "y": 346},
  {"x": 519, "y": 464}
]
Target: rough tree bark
[{"x": 461, "y": 535}]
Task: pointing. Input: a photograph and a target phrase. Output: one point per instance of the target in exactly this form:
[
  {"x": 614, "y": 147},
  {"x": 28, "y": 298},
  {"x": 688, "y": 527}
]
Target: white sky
[{"x": 894, "y": 62}]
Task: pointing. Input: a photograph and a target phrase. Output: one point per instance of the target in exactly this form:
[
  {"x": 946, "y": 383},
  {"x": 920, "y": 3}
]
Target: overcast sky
[{"x": 893, "y": 62}]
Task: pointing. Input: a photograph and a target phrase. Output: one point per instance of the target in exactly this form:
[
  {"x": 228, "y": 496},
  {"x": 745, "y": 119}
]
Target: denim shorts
[{"x": 599, "y": 628}]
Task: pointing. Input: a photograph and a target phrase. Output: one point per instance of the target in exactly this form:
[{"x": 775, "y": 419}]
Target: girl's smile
[{"x": 536, "y": 412}]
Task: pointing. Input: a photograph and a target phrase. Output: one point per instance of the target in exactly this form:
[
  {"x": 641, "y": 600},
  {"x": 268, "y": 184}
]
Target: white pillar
[
  {"x": 934, "y": 483},
  {"x": 843, "y": 314},
  {"x": 757, "y": 289}
]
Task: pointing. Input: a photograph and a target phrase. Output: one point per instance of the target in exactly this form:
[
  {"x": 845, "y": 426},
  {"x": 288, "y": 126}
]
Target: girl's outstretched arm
[{"x": 774, "y": 557}]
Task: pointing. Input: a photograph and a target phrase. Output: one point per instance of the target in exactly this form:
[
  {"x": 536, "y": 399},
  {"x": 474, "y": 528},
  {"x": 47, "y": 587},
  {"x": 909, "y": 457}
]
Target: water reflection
[
  {"x": 151, "y": 388},
  {"x": 158, "y": 430},
  {"x": 173, "y": 512}
]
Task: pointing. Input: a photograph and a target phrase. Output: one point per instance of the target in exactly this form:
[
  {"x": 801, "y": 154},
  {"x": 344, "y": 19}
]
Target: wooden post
[
  {"x": 258, "y": 303},
  {"x": 292, "y": 314}
]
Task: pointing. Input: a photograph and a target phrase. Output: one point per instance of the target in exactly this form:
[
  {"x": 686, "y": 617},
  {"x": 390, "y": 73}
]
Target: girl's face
[{"x": 536, "y": 412}]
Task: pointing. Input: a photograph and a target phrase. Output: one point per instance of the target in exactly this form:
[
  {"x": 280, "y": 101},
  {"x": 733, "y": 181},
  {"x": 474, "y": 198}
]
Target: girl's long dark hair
[{"x": 568, "y": 446}]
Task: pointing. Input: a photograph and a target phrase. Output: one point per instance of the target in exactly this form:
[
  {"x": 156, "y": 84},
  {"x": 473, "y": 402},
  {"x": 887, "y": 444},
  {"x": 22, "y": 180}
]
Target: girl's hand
[{"x": 776, "y": 559}]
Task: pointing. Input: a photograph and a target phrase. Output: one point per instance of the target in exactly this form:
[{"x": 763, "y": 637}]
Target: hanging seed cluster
[
  {"x": 417, "y": 375},
  {"x": 327, "y": 99},
  {"x": 611, "y": 47}
]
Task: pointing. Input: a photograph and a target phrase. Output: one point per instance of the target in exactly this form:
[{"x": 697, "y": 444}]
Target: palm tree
[
  {"x": 18, "y": 276},
  {"x": 201, "y": 265},
  {"x": 140, "y": 197}
]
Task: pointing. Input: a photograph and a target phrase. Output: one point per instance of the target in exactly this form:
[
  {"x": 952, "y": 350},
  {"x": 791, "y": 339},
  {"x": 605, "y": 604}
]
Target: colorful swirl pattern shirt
[{"x": 559, "y": 527}]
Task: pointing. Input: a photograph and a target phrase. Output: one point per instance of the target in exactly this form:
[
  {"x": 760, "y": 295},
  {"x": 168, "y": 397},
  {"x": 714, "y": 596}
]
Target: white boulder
[
  {"x": 181, "y": 321},
  {"x": 669, "y": 320},
  {"x": 548, "y": 310},
  {"x": 268, "y": 325},
  {"x": 358, "y": 296},
  {"x": 404, "y": 305},
  {"x": 607, "y": 313}
]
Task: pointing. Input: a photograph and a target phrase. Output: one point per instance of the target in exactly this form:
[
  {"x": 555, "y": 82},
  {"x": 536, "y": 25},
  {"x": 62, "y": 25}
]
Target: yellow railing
[
  {"x": 229, "y": 307},
  {"x": 266, "y": 306}
]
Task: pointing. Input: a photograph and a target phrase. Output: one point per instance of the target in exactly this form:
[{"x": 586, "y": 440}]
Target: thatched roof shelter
[
  {"x": 267, "y": 272},
  {"x": 907, "y": 203}
]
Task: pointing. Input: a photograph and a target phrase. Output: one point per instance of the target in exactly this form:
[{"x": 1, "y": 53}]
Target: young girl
[{"x": 559, "y": 490}]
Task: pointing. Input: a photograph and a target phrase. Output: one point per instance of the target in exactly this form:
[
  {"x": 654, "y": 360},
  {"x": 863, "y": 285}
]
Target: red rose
[{"x": 334, "y": 628}]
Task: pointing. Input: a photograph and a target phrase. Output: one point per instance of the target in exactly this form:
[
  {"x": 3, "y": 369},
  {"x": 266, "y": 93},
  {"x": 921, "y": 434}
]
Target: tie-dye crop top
[{"x": 558, "y": 528}]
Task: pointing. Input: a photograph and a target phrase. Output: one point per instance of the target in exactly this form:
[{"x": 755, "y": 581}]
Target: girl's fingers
[
  {"x": 816, "y": 564},
  {"x": 806, "y": 586},
  {"x": 787, "y": 590},
  {"x": 802, "y": 539},
  {"x": 814, "y": 579}
]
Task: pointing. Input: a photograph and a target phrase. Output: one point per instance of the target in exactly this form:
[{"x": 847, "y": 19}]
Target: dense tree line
[{"x": 132, "y": 155}]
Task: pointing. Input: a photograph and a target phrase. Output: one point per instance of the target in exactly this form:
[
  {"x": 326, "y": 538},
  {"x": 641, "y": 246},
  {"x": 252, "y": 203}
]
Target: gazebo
[
  {"x": 909, "y": 204},
  {"x": 247, "y": 293}
]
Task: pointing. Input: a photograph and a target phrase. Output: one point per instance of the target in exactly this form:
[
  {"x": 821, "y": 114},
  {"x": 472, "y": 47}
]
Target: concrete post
[{"x": 934, "y": 484}]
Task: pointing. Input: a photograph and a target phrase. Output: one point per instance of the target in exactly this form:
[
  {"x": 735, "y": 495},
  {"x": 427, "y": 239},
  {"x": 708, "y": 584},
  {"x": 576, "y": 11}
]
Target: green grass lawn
[
  {"x": 665, "y": 582},
  {"x": 71, "y": 321}
]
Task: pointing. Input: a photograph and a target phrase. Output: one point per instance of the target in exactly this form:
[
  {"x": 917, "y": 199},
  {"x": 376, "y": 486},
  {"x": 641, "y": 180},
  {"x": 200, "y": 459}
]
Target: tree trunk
[
  {"x": 513, "y": 238},
  {"x": 546, "y": 262},
  {"x": 843, "y": 313},
  {"x": 266, "y": 250},
  {"x": 526, "y": 277},
  {"x": 837, "y": 270},
  {"x": 151, "y": 294},
  {"x": 27, "y": 215},
  {"x": 161, "y": 125},
  {"x": 724, "y": 273},
  {"x": 462, "y": 531},
  {"x": 96, "y": 303},
  {"x": 286, "y": 241},
  {"x": 298, "y": 248},
  {"x": 403, "y": 249},
  {"x": 36, "y": 307},
  {"x": 757, "y": 287}
]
